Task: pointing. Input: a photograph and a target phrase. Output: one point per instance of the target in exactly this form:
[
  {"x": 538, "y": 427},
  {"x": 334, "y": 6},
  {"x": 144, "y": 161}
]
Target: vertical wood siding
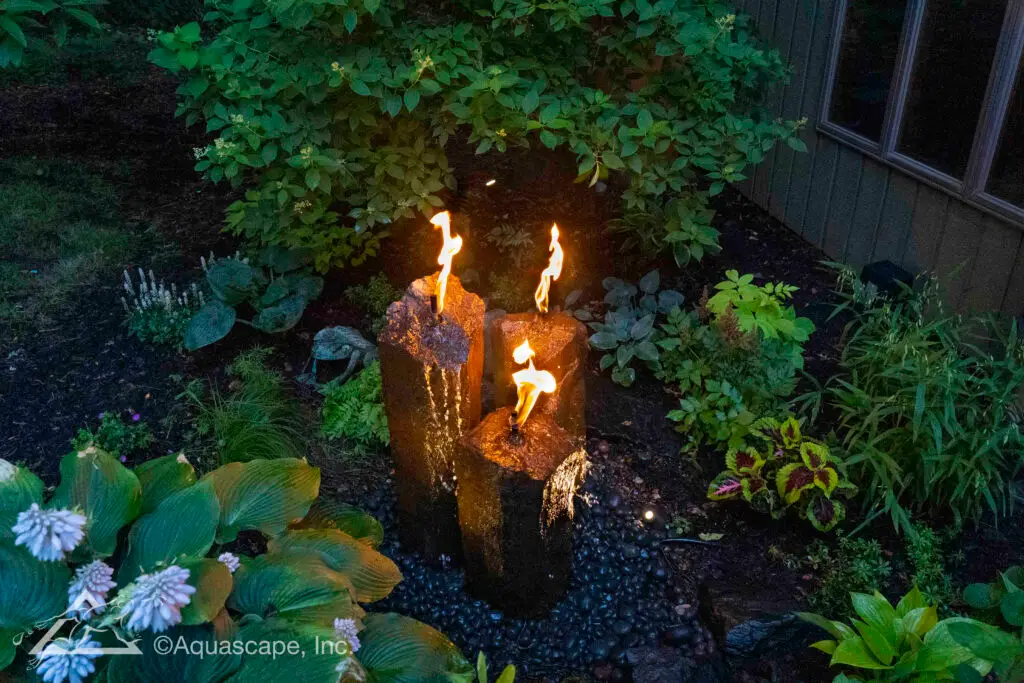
[{"x": 858, "y": 210}]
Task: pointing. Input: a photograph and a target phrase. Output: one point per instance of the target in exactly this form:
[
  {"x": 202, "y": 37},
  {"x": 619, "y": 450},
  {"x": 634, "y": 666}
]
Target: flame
[
  {"x": 451, "y": 247},
  {"x": 529, "y": 382},
  {"x": 552, "y": 272}
]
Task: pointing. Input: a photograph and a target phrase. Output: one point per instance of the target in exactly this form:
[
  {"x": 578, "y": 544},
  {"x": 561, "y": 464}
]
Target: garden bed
[{"x": 638, "y": 582}]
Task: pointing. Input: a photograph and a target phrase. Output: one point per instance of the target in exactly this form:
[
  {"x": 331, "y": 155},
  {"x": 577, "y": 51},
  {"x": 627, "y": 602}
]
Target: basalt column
[
  {"x": 515, "y": 509},
  {"x": 431, "y": 367},
  {"x": 560, "y": 344}
]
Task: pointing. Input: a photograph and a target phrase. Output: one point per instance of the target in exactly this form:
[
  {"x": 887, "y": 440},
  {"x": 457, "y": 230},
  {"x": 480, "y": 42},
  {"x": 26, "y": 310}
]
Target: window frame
[{"x": 1001, "y": 80}]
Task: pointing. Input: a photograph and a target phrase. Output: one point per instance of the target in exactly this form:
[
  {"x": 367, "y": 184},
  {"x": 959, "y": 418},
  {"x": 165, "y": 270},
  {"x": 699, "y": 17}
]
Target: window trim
[{"x": 991, "y": 118}]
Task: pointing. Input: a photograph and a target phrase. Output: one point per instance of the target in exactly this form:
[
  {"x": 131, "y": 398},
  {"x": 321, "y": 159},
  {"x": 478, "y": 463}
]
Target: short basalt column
[
  {"x": 560, "y": 343},
  {"x": 431, "y": 368},
  {"x": 515, "y": 510}
]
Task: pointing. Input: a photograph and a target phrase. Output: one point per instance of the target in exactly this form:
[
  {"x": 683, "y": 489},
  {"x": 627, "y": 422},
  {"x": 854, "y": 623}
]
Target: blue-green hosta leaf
[
  {"x": 213, "y": 583},
  {"x": 178, "y": 664},
  {"x": 162, "y": 477},
  {"x": 265, "y": 495},
  {"x": 397, "y": 649},
  {"x": 32, "y": 591},
  {"x": 985, "y": 641},
  {"x": 8, "y": 650},
  {"x": 942, "y": 652},
  {"x": 1011, "y": 606},
  {"x": 231, "y": 280},
  {"x": 373, "y": 575},
  {"x": 109, "y": 494},
  {"x": 649, "y": 283},
  {"x": 355, "y": 522},
  {"x": 298, "y": 585},
  {"x": 282, "y": 316},
  {"x": 19, "y": 488},
  {"x": 320, "y": 663},
  {"x": 209, "y": 325},
  {"x": 184, "y": 525}
]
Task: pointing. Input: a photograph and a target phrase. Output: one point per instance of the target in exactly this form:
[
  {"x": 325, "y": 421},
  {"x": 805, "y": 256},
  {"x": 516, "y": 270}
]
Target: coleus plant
[
  {"x": 786, "y": 469},
  {"x": 156, "y": 550}
]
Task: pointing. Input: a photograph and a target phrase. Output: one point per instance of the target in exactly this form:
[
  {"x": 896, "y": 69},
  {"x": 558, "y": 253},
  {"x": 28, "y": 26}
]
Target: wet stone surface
[{"x": 622, "y": 596}]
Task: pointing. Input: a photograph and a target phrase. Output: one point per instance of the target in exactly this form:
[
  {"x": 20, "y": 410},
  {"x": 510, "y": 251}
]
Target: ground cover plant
[
  {"x": 336, "y": 117},
  {"x": 353, "y": 410},
  {"x": 925, "y": 408},
  {"x": 115, "y": 436}
]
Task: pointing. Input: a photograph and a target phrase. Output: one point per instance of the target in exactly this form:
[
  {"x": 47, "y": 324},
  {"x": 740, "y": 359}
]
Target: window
[{"x": 934, "y": 87}]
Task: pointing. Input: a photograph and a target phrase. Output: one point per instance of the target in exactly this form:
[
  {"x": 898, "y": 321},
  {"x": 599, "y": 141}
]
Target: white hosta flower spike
[
  {"x": 49, "y": 534},
  {"x": 67, "y": 659},
  {"x": 229, "y": 559},
  {"x": 156, "y": 600},
  {"x": 89, "y": 589},
  {"x": 346, "y": 630}
]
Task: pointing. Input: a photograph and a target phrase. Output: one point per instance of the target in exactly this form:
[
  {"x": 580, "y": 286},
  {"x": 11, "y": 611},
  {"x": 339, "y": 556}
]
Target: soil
[{"x": 61, "y": 378}]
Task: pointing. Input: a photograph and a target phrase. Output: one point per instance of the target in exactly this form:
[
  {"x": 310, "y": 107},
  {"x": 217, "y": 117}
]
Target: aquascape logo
[{"x": 80, "y": 644}]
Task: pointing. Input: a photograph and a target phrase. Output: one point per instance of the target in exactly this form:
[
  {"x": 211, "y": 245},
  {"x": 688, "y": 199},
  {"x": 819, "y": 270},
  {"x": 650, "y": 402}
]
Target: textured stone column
[
  {"x": 515, "y": 510},
  {"x": 431, "y": 371},
  {"x": 560, "y": 342}
]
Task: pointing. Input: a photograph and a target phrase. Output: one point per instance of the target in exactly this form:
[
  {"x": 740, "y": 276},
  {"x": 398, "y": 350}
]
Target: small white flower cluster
[
  {"x": 200, "y": 152},
  {"x": 68, "y": 659},
  {"x": 153, "y": 293},
  {"x": 155, "y": 601},
  {"x": 346, "y": 630},
  {"x": 207, "y": 263},
  {"x": 49, "y": 534},
  {"x": 230, "y": 560},
  {"x": 87, "y": 594}
]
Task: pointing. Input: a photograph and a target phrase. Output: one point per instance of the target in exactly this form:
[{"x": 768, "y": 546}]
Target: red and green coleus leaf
[
  {"x": 814, "y": 455},
  {"x": 826, "y": 479},
  {"x": 744, "y": 460},
  {"x": 753, "y": 486},
  {"x": 824, "y": 513},
  {"x": 790, "y": 432},
  {"x": 726, "y": 486},
  {"x": 792, "y": 480},
  {"x": 766, "y": 428}
]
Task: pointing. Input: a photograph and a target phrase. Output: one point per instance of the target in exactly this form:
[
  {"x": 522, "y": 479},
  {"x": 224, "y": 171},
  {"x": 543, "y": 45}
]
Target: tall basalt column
[
  {"x": 431, "y": 369},
  {"x": 515, "y": 510},
  {"x": 560, "y": 342}
]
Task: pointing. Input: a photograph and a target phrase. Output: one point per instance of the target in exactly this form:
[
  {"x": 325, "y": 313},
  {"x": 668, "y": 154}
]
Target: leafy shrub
[
  {"x": 925, "y": 551},
  {"x": 513, "y": 242},
  {"x": 628, "y": 330},
  {"x": 277, "y": 294},
  {"x": 114, "y": 436},
  {"x": 907, "y": 642},
  {"x": 683, "y": 225},
  {"x": 160, "y": 530},
  {"x": 857, "y": 565},
  {"x": 790, "y": 469},
  {"x": 258, "y": 419},
  {"x": 158, "y": 314},
  {"x": 374, "y": 298},
  {"x": 336, "y": 115},
  {"x": 20, "y": 19},
  {"x": 355, "y": 410},
  {"x": 734, "y": 358},
  {"x": 925, "y": 408}
]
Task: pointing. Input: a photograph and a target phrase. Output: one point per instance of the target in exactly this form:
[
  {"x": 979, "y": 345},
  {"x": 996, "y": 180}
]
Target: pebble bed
[{"x": 623, "y": 595}]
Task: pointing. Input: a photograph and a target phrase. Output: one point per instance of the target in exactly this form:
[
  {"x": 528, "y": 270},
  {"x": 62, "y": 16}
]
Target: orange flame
[
  {"x": 451, "y": 247},
  {"x": 550, "y": 273},
  {"x": 529, "y": 382}
]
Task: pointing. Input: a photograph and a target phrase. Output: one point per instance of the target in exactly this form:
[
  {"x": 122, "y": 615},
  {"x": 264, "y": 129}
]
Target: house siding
[{"x": 859, "y": 210}]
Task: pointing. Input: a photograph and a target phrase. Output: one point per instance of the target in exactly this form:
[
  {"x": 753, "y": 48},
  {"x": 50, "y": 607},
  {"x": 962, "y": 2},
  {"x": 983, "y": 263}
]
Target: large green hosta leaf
[
  {"x": 397, "y": 649},
  {"x": 373, "y": 575},
  {"x": 161, "y": 477},
  {"x": 297, "y": 585},
  {"x": 213, "y": 583},
  {"x": 266, "y": 495},
  {"x": 314, "y": 662},
  {"x": 180, "y": 664},
  {"x": 30, "y": 591},
  {"x": 184, "y": 525},
  {"x": 108, "y": 492},
  {"x": 354, "y": 521},
  {"x": 8, "y": 650},
  {"x": 18, "y": 490}
]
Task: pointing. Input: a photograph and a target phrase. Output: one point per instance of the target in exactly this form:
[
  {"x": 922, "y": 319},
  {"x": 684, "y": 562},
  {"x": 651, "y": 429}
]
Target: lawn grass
[{"x": 60, "y": 232}]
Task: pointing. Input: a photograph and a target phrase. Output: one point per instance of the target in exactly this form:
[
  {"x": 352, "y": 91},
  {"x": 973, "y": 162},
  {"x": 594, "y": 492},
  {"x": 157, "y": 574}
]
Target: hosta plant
[
  {"x": 276, "y": 293},
  {"x": 628, "y": 331},
  {"x": 784, "y": 469},
  {"x": 908, "y": 642},
  {"x": 336, "y": 116},
  {"x": 128, "y": 554}
]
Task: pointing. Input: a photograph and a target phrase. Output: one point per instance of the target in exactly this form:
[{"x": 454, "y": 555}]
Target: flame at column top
[
  {"x": 550, "y": 273},
  {"x": 451, "y": 247},
  {"x": 530, "y": 382}
]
